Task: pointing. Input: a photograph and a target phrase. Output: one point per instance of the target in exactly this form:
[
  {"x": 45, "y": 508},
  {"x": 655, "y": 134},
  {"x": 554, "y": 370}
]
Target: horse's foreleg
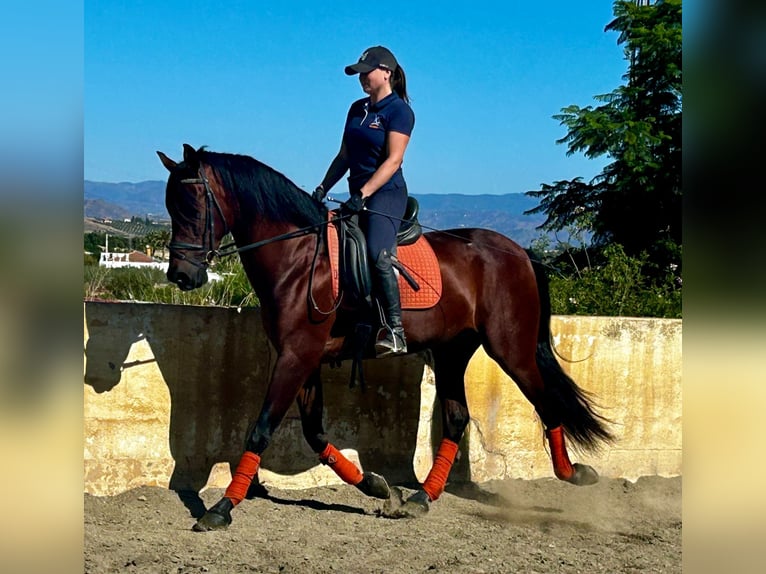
[
  {"x": 290, "y": 372},
  {"x": 218, "y": 516},
  {"x": 311, "y": 405}
]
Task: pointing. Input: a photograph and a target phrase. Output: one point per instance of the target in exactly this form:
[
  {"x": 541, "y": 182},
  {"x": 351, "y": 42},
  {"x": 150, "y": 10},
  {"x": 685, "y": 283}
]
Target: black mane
[{"x": 264, "y": 191}]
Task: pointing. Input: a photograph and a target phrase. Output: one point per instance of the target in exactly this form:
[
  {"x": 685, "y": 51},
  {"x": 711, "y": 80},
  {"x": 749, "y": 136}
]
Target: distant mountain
[
  {"x": 100, "y": 209},
  {"x": 502, "y": 213},
  {"x": 120, "y": 200}
]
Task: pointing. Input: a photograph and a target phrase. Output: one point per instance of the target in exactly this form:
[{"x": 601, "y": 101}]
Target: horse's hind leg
[
  {"x": 563, "y": 468},
  {"x": 311, "y": 406},
  {"x": 450, "y": 362},
  {"x": 516, "y": 353}
]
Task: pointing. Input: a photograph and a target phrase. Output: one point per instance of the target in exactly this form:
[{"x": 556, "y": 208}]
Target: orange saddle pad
[{"x": 418, "y": 259}]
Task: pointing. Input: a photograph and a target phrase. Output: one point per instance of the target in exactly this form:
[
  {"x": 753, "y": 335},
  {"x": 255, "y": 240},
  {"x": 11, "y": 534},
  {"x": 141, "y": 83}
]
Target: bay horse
[{"x": 493, "y": 295}]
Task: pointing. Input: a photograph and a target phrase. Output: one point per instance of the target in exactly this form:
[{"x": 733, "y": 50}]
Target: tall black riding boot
[{"x": 390, "y": 338}]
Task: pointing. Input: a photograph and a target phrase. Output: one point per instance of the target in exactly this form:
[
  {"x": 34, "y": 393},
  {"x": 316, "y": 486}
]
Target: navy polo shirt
[{"x": 365, "y": 136}]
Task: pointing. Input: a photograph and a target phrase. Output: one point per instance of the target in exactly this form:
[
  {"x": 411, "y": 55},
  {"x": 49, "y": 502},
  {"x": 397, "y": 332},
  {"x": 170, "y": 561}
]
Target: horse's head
[{"x": 198, "y": 221}]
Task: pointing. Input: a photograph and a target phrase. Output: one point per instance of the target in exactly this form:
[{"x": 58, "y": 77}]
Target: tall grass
[{"x": 150, "y": 285}]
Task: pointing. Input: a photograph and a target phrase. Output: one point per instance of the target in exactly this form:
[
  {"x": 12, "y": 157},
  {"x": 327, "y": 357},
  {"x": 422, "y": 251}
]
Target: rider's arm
[{"x": 338, "y": 167}]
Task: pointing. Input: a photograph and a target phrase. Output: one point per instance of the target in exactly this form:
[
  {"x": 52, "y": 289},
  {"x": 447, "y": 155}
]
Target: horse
[{"x": 493, "y": 295}]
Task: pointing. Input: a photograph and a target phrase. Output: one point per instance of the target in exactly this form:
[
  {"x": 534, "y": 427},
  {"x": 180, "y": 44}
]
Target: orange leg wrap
[
  {"x": 242, "y": 477},
  {"x": 344, "y": 468},
  {"x": 562, "y": 467},
  {"x": 437, "y": 478}
]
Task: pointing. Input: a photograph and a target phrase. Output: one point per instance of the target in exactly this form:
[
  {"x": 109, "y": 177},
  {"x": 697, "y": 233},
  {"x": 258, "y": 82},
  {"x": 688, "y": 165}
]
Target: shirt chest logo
[{"x": 376, "y": 124}]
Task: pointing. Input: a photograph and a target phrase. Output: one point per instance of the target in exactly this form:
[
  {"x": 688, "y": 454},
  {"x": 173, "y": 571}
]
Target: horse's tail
[{"x": 568, "y": 403}]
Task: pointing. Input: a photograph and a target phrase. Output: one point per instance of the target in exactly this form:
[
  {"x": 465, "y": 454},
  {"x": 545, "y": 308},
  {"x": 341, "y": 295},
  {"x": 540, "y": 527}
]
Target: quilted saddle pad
[{"x": 418, "y": 259}]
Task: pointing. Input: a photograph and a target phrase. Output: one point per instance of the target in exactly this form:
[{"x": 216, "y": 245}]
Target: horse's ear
[
  {"x": 190, "y": 156},
  {"x": 167, "y": 162}
]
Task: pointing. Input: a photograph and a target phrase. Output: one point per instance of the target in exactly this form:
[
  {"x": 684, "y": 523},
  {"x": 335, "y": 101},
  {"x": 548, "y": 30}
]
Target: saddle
[{"x": 420, "y": 283}]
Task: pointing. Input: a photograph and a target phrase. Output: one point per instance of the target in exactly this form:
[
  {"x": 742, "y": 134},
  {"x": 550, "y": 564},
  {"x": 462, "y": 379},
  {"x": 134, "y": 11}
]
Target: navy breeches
[{"x": 380, "y": 228}]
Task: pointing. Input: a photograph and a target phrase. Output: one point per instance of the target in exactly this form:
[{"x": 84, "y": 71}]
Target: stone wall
[{"x": 170, "y": 391}]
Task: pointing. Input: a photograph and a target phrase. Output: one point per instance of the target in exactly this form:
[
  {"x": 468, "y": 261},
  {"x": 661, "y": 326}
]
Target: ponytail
[{"x": 399, "y": 84}]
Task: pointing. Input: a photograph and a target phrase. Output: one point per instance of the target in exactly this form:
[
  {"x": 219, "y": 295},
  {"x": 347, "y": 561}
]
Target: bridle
[{"x": 208, "y": 247}]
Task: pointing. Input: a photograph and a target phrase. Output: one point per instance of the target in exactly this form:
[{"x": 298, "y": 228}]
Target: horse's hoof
[
  {"x": 416, "y": 506},
  {"x": 217, "y": 518},
  {"x": 374, "y": 485},
  {"x": 584, "y": 475}
]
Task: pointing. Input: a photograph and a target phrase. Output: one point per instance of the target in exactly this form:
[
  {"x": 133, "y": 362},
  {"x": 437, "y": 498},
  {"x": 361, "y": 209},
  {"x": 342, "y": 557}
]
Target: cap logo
[{"x": 363, "y": 57}]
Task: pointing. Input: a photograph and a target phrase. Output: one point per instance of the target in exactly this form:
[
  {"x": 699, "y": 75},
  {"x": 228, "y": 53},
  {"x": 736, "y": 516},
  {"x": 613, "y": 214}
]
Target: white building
[{"x": 113, "y": 260}]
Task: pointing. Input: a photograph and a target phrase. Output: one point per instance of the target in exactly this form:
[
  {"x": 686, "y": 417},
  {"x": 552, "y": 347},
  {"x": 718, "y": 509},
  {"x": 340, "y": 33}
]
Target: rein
[{"x": 231, "y": 248}]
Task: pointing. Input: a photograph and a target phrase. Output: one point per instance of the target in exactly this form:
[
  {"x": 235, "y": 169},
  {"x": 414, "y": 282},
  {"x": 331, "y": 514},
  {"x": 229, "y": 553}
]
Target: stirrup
[{"x": 393, "y": 343}]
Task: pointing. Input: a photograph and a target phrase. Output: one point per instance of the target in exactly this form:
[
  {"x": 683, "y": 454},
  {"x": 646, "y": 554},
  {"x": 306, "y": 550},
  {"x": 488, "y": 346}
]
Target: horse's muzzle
[{"x": 186, "y": 277}]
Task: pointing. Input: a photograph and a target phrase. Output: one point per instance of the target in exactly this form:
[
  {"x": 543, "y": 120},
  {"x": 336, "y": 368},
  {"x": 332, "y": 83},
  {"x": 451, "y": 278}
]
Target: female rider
[{"x": 375, "y": 137}]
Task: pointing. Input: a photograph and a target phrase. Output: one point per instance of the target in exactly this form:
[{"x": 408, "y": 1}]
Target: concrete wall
[{"x": 170, "y": 391}]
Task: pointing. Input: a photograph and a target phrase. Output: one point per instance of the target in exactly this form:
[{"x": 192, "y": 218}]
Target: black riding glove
[
  {"x": 319, "y": 193},
  {"x": 355, "y": 204}
]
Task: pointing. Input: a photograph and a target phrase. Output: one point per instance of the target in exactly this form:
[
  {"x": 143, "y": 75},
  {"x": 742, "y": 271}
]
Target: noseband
[{"x": 175, "y": 247}]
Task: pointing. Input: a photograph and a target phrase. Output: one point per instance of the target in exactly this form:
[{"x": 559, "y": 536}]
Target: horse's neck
[{"x": 275, "y": 261}]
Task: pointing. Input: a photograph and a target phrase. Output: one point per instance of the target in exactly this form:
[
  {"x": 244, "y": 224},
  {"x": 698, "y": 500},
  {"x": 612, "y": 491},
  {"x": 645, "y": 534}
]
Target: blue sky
[{"x": 266, "y": 79}]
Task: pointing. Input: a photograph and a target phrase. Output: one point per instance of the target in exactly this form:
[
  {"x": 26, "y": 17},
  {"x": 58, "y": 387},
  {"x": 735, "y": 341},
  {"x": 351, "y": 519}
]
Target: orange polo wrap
[
  {"x": 437, "y": 478},
  {"x": 344, "y": 468},
  {"x": 242, "y": 477},
  {"x": 562, "y": 466}
]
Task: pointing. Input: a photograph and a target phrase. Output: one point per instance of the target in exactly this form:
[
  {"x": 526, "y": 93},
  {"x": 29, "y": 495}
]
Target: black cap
[{"x": 375, "y": 57}]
